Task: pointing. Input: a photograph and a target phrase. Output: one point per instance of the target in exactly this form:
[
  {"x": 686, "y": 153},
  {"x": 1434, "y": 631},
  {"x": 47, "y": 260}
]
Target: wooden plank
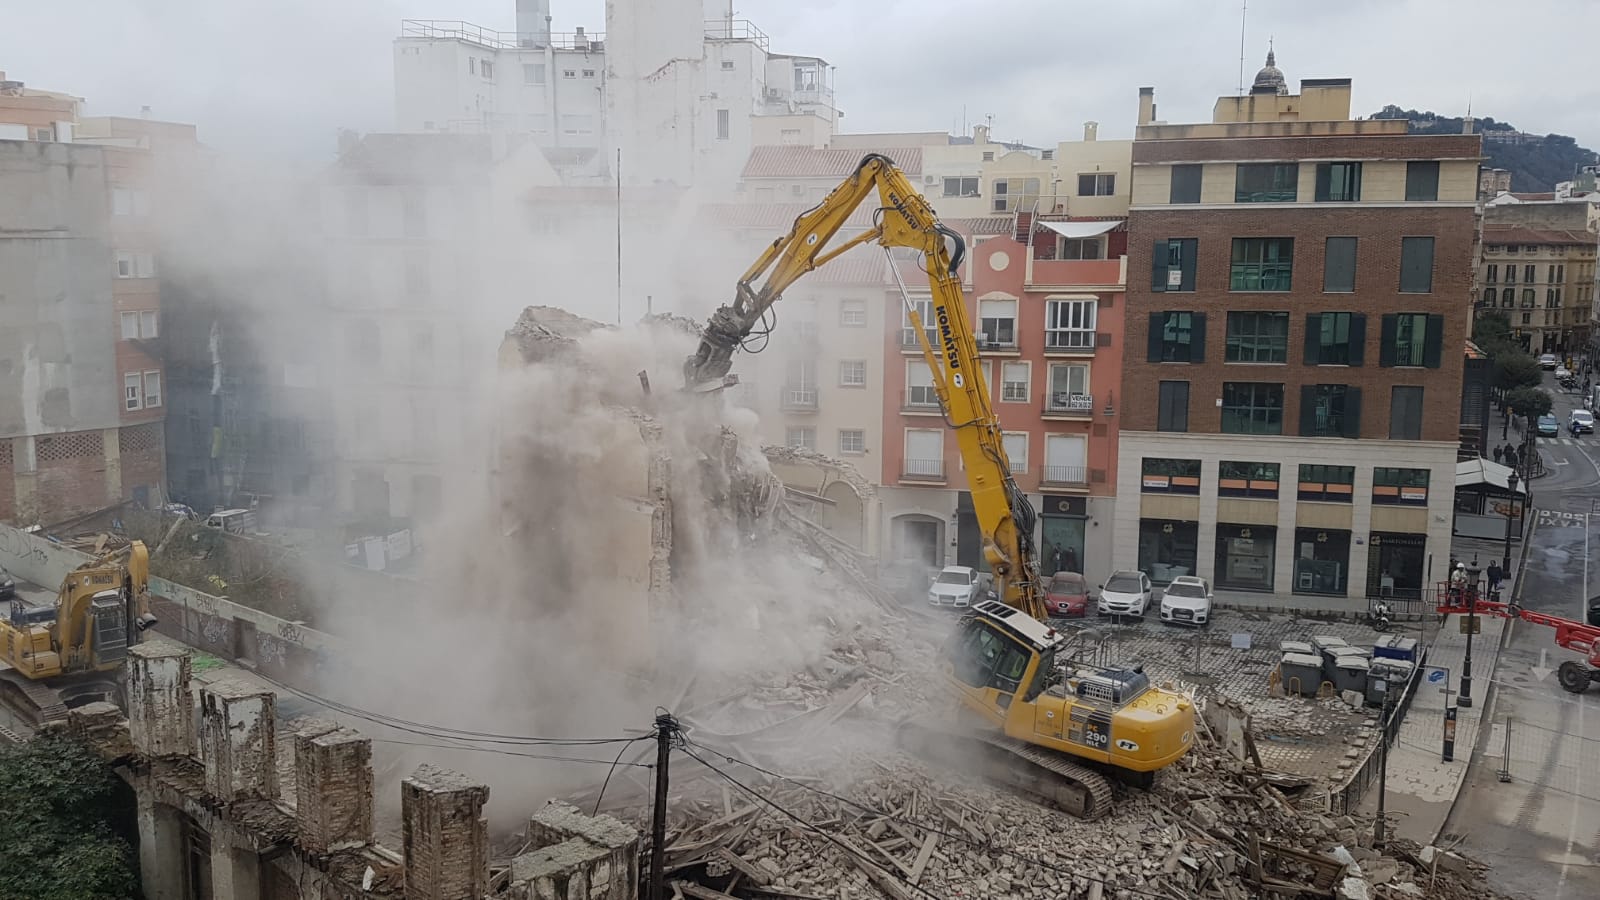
[
  {"x": 884, "y": 881},
  {"x": 701, "y": 892},
  {"x": 750, "y": 870},
  {"x": 923, "y": 855}
]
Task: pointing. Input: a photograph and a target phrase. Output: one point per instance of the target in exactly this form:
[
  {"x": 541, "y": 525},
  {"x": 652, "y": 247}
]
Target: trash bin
[
  {"x": 1332, "y": 655},
  {"x": 1297, "y": 647},
  {"x": 1350, "y": 673},
  {"x": 1395, "y": 671},
  {"x": 1324, "y": 641},
  {"x": 1301, "y": 673},
  {"x": 1395, "y": 646}
]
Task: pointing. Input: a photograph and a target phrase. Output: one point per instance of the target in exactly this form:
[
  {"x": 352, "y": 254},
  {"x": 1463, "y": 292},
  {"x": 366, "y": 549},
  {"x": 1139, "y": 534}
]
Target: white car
[
  {"x": 1548, "y": 361},
  {"x": 1186, "y": 601},
  {"x": 1582, "y": 422},
  {"x": 957, "y": 586},
  {"x": 1561, "y": 372},
  {"x": 1125, "y": 593}
]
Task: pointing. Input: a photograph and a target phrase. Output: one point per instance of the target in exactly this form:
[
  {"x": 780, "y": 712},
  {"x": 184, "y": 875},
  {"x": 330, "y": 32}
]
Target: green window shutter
[
  {"x": 1191, "y": 253},
  {"x": 1324, "y": 181},
  {"x": 1313, "y": 339},
  {"x": 1352, "y": 412},
  {"x": 1308, "y": 410},
  {"x": 1433, "y": 344},
  {"x": 1158, "y": 267},
  {"x": 1358, "y": 338},
  {"x": 1157, "y": 320},
  {"x": 1391, "y": 328},
  {"x": 1197, "y": 338}
]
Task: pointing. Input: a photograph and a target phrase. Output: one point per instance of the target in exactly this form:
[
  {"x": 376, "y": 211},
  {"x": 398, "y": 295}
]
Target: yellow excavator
[
  {"x": 1022, "y": 721},
  {"x": 53, "y": 657}
]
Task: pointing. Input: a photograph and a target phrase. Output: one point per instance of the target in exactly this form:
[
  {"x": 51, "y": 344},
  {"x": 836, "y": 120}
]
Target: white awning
[
  {"x": 1473, "y": 472},
  {"x": 1081, "y": 229}
]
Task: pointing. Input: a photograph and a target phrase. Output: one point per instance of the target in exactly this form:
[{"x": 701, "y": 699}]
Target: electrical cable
[
  {"x": 955, "y": 835},
  {"x": 496, "y": 750},
  {"x": 612, "y": 771}
]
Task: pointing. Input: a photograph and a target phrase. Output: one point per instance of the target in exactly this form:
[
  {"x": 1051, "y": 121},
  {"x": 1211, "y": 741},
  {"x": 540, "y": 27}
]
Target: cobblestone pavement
[{"x": 1320, "y": 739}]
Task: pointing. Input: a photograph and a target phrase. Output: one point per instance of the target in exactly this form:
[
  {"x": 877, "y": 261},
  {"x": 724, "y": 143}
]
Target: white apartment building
[{"x": 681, "y": 88}]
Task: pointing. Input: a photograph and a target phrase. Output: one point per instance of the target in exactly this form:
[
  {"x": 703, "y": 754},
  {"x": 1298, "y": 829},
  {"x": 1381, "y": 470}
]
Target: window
[
  {"x": 1528, "y": 273},
  {"x": 130, "y": 326},
  {"x": 1069, "y": 389},
  {"x": 1186, "y": 184},
  {"x": 1047, "y": 154},
  {"x": 1405, "y": 413},
  {"x": 852, "y": 442},
  {"x": 1065, "y": 459},
  {"x": 1015, "y": 193},
  {"x": 1258, "y": 337},
  {"x": 152, "y": 389},
  {"x": 1177, "y": 337},
  {"x": 988, "y": 156},
  {"x": 1173, "y": 410},
  {"x": 1329, "y": 484},
  {"x": 1262, "y": 264},
  {"x": 1527, "y": 318},
  {"x": 588, "y": 73},
  {"x": 962, "y": 186},
  {"x": 1560, "y": 276},
  {"x": 919, "y": 386},
  {"x": 1069, "y": 324},
  {"x": 803, "y": 437},
  {"x": 569, "y": 73},
  {"x": 1016, "y": 444},
  {"x": 800, "y": 384},
  {"x": 1266, "y": 183},
  {"x": 923, "y": 306},
  {"x": 799, "y": 190},
  {"x": 852, "y": 373},
  {"x": 1172, "y": 264},
  {"x": 1511, "y": 273},
  {"x": 147, "y": 324},
  {"x": 853, "y": 314},
  {"x": 132, "y": 391},
  {"x": 1330, "y": 410},
  {"x": 924, "y": 454},
  {"x": 135, "y": 264},
  {"x": 1412, "y": 339},
  {"x": 1508, "y": 298},
  {"x": 1252, "y": 408},
  {"x": 1488, "y": 297},
  {"x": 1335, "y": 339},
  {"x": 1079, "y": 248},
  {"x": 1097, "y": 184},
  {"x": 724, "y": 124},
  {"x": 1338, "y": 182},
  {"x": 472, "y": 65},
  {"x": 727, "y": 65},
  {"x": 1339, "y": 266},
  {"x": 997, "y": 322},
  {"x": 1402, "y": 486},
  {"x": 1170, "y": 476},
  {"x": 1015, "y": 381},
  {"x": 1422, "y": 181},
  {"x": 486, "y": 69},
  {"x": 1552, "y": 297},
  {"x": 1416, "y": 265},
  {"x": 1491, "y": 274},
  {"x": 1528, "y": 298},
  {"x": 1247, "y": 479}
]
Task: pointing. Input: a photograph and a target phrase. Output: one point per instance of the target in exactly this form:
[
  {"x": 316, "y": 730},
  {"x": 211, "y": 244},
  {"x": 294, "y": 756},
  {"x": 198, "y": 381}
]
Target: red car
[{"x": 1067, "y": 595}]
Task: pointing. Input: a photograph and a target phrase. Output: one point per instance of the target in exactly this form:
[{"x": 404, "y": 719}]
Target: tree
[
  {"x": 1491, "y": 330},
  {"x": 58, "y": 835},
  {"x": 1530, "y": 402},
  {"x": 1514, "y": 369}
]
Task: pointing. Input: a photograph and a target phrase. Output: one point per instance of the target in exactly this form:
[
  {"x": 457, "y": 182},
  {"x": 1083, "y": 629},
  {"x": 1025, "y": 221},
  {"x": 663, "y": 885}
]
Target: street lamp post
[
  {"x": 1511, "y": 508},
  {"x": 1471, "y": 590}
]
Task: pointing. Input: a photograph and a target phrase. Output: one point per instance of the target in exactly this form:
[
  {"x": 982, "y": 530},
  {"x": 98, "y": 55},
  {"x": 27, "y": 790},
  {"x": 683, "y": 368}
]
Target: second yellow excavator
[{"x": 1022, "y": 720}]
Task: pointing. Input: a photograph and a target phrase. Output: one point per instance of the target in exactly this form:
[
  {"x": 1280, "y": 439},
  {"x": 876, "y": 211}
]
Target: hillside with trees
[{"x": 1536, "y": 164}]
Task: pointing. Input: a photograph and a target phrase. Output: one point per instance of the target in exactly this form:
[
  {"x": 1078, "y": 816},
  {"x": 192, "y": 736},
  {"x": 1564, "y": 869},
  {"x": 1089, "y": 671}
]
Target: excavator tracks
[
  {"x": 31, "y": 699},
  {"x": 1044, "y": 775}
]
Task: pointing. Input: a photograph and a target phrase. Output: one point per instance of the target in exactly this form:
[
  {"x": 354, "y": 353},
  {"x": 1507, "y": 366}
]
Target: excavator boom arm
[{"x": 902, "y": 219}]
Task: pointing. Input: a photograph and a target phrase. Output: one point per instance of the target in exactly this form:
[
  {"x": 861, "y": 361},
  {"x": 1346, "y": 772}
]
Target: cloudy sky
[{"x": 280, "y": 76}]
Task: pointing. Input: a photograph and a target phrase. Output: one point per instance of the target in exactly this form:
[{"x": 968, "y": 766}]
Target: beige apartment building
[{"x": 1542, "y": 280}]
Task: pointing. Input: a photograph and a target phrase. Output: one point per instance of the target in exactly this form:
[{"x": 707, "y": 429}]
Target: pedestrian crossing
[{"x": 1567, "y": 442}]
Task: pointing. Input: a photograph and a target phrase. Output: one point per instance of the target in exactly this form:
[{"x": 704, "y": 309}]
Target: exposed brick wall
[
  {"x": 72, "y": 474},
  {"x": 1379, "y": 231},
  {"x": 143, "y": 453},
  {"x": 1402, "y": 146}
]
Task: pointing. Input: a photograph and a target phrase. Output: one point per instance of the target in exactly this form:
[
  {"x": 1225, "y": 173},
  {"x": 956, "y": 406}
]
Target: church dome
[{"x": 1270, "y": 79}]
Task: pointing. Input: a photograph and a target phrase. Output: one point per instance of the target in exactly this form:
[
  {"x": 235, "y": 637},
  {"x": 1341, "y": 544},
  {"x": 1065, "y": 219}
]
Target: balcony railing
[
  {"x": 1069, "y": 340},
  {"x": 1066, "y": 475},
  {"x": 922, "y": 469},
  {"x": 736, "y": 30},
  {"x": 1063, "y": 403},
  {"x": 452, "y": 29},
  {"x": 1019, "y": 467},
  {"x": 800, "y": 398},
  {"x": 908, "y": 338},
  {"x": 921, "y": 400}
]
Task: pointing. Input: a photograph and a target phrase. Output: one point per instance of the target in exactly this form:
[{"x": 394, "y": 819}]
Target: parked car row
[{"x": 1186, "y": 601}]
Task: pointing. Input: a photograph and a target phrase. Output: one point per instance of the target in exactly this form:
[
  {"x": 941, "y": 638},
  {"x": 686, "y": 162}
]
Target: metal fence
[{"x": 1345, "y": 800}]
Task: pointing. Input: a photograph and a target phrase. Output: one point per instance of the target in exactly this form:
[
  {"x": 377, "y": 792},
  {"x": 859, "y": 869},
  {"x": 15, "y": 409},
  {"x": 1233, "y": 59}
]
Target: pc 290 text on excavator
[{"x": 1059, "y": 736}]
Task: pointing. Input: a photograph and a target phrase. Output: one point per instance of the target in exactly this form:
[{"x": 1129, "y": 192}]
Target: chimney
[
  {"x": 533, "y": 23},
  {"x": 445, "y": 836},
  {"x": 1147, "y": 105},
  {"x": 980, "y": 134},
  {"x": 1090, "y": 129},
  {"x": 1466, "y": 125}
]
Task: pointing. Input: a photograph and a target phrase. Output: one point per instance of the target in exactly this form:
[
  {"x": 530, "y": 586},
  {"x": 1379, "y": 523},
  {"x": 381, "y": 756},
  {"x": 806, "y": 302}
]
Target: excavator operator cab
[{"x": 995, "y": 646}]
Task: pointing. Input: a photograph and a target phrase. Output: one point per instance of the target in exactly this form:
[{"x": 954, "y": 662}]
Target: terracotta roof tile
[
  {"x": 809, "y": 162},
  {"x": 1516, "y": 234}
]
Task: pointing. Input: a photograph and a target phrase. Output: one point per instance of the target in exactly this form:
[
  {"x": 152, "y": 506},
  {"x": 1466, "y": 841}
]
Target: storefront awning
[
  {"x": 1480, "y": 471},
  {"x": 1081, "y": 229}
]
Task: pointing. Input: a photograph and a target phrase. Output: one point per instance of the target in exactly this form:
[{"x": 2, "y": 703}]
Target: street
[{"x": 1541, "y": 830}]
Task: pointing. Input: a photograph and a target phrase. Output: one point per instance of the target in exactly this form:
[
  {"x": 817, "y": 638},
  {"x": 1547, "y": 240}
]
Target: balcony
[
  {"x": 922, "y": 470},
  {"x": 799, "y": 398},
  {"x": 1063, "y": 405},
  {"x": 1066, "y": 476},
  {"x": 1069, "y": 341},
  {"x": 1077, "y": 272},
  {"x": 908, "y": 338},
  {"x": 926, "y": 404}
]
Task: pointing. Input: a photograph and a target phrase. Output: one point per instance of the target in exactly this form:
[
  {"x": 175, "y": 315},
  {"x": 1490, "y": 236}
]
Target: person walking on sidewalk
[
  {"x": 1496, "y": 575},
  {"x": 1498, "y": 453}
]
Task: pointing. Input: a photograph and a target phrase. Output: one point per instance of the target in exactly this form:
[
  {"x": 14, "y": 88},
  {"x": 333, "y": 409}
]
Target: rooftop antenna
[{"x": 1244, "y": 9}]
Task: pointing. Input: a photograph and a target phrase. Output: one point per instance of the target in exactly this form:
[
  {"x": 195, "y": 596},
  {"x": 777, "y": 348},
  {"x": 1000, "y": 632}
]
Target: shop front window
[
  {"x": 1321, "y": 561},
  {"x": 1245, "y": 556},
  {"x": 1168, "y": 548},
  {"x": 1396, "y": 565}
]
